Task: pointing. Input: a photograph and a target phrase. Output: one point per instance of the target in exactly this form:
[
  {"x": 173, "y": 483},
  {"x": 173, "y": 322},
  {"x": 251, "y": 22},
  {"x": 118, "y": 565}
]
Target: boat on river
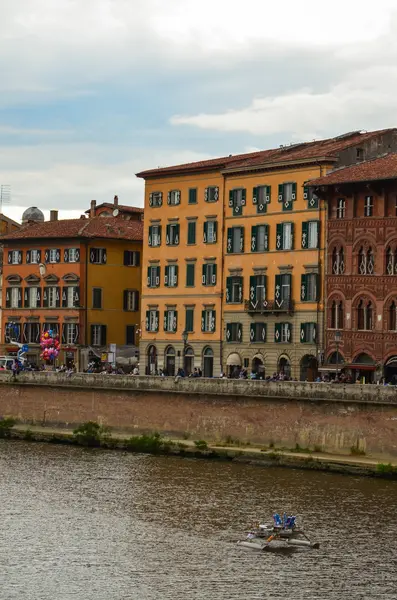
[{"x": 282, "y": 533}]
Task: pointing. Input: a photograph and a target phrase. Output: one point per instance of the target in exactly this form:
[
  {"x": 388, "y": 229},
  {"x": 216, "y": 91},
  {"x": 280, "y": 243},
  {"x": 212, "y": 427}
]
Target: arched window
[
  {"x": 392, "y": 317},
  {"x": 341, "y": 208},
  {"x": 366, "y": 261},
  {"x": 364, "y": 315},
  {"x": 338, "y": 261},
  {"x": 391, "y": 261},
  {"x": 337, "y": 321}
]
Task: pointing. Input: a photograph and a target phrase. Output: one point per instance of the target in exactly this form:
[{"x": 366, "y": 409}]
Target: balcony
[{"x": 267, "y": 307}]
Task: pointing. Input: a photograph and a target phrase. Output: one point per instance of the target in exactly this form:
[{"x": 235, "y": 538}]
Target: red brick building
[{"x": 361, "y": 268}]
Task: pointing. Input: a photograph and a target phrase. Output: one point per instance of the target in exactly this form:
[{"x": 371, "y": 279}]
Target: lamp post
[
  {"x": 184, "y": 338},
  {"x": 338, "y": 337}
]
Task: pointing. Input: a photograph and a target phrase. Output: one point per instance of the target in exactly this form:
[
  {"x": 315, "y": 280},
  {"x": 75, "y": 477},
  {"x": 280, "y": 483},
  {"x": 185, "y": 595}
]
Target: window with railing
[
  {"x": 366, "y": 261},
  {"x": 337, "y": 315},
  {"x": 338, "y": 261},
  {"x": 365, "y": 315},
  {"x": 341, "y": 208}
]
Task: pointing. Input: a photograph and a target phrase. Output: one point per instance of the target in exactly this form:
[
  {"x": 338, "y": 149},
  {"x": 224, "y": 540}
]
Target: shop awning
[
  {"x": 233, "y": 360},
  {"x": 330, "y": 368},
  {"x": 361, "y": 367}
]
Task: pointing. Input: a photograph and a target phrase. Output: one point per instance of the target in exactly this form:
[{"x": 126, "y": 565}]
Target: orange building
[
  {"x": 7, "y": 225},
  {"x": 79, "y": 277}
]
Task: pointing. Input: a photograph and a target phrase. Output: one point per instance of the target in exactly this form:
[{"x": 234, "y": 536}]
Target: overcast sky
[{"x": 93, "y": 91}]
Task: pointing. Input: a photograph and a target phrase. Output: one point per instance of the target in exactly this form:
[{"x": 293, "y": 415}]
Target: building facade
[
  {"x": 234, "y": 256},
  {"x": 361, "y": 277},
  {"x": 78, "y": 277}
]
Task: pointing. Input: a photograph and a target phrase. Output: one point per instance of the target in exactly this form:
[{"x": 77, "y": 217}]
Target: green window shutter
[
  {"x": 204, "y": 275},
  {"x": 229, "y": 246},
  {"x": 191, "y": 232},
  {"x": 192, "y": 196},
  {"x": 292, "y": 235},
  {"x": 280, "y": 192},
  {"x": 165, "y": 324},
  {"x": 306, "y": 193},
  {"x": 294, "y": 191},
  {"x": 190, "y": 270},
  {"x": 305, "y": 234},
  {"x": 205, "y": 236},
  {"x": 255, "y": 195},
  {"x": 314, "y": 340},
  {"x": 244, "y": 197},
  {"x": 268, "y": 194},
  {"x": 263, "y": 332},
  {"x": 239, "y": 332},
  {"x": 167, "y": 237},
  {"x": 317, "y": 298},
  {"x": 318, "y": 233},
  {"x": 215, "y": 231},
  {"x": 303, "y": 334},
  {"x": 313, "y": 200},
  {"x": 213, "y": 321},
  {"x": 157, "y": 321},
  {"x": 159, "y": 234},
  {"x": 241, "y": 239},
  {"x": 150, "y": 235},
  {"x": 266, "y": 238},
  {"x": 277, "y": 333},
  {"x": 203, "y": 320},
  {"x": 213, "y": 276},
  {"x": 189, "y": 318},
  {"x": 157, "y": 276},
  {"x": 176, "y": 238},
  {"x": 231, "y": 198},
  {"x": 175, "y": 321},
  {"x": 229, "y": 281},
  {"x": 240, "y": 289},
  {"x": 176, "y": 269},
  {"x": 303, "y": 287},
  {"x": 279, "y": 236},
  {"x": 228, "y": 332},
  {"x": 289, "y": 333},
  {"x": 254, "y": 246},
  {"x": 166, "y": 276},
  {"x": 252, "y": 332},
  {"x": 287, "y": 205},
  {"x": 252, "y": 291},
  {"x": 148, "y": 276},
  {"x": 277, "y": 289},
  {"x": 147, "y": 321}
]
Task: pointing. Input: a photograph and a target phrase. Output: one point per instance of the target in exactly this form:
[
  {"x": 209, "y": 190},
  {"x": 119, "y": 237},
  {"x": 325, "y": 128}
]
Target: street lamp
[
  {"x": 184, "y": 338},
  {"x": 338, "y": 337}
]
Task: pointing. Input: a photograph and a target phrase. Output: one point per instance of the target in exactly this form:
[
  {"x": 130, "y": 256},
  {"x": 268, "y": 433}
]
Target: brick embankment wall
[{"x": 332, "y": 417}]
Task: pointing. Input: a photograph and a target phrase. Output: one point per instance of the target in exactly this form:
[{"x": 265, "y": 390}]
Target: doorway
[
  {"x": 208, "y": 362},
  {"x": 170, "y": 361},
  {"x": 152, "y": 360},
  {"x": 309, "y": 368}
]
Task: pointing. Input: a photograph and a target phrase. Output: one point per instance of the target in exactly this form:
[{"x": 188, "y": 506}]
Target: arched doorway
[
  {"x": 208, "y": 362},
  {"x": 391, "y": 370},
  {"x": 152, "y": 360},
  {"x": 364, "y": 368},
  {"x": 284, "y": 367},
  {"x": 309, "y": 368},
  {"x": 258, "y": 366},
  {"x": 233, "y": 363},
  {"x": 189, "y": 361},
  {"x": 169, "y": 361}
]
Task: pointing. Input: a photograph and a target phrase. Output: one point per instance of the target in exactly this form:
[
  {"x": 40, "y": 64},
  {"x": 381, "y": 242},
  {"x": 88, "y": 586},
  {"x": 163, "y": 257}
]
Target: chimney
[
  {"x": 53, "y": 215},
  {"x": 116, "y": 201},
  {"x": 92, "y": 210}
]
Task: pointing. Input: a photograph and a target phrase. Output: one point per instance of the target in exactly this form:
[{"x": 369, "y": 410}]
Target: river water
[{"x": 97, "y": 525}]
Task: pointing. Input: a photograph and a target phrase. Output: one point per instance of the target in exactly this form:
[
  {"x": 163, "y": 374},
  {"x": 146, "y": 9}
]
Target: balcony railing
[{"x": 269, "y": 306}]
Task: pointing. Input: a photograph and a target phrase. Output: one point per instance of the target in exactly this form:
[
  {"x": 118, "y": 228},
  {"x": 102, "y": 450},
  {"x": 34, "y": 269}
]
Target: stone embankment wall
[{"x": 331, "y": 417}]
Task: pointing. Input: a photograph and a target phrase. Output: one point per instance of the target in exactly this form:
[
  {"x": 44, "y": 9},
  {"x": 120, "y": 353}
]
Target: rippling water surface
[{"x": 101, "y": 525}]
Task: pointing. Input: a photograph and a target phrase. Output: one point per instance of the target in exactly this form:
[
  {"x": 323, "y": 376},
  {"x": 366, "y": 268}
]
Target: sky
[{"x": 93, "y": 91}]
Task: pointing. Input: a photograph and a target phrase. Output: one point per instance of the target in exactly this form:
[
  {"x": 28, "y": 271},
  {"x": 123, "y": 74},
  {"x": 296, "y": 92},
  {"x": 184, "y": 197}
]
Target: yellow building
[{"x": 255, "y": 300}]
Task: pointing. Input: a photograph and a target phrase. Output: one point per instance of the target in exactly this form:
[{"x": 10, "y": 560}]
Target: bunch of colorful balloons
[{"x": 50, "y": 345}]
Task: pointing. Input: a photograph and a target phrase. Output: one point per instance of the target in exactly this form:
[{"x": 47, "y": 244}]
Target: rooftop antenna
[{"x": 5, "y": 196}]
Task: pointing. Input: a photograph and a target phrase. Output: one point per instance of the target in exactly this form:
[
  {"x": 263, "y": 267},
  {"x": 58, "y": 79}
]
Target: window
[
  {"x": 51, "y": 327},
  {"x": 189, "y": 319},
  {"x": 308, "y": 333},
  {"x": 309, "y": 287},
  {"x": 210, "y": 232},
  {"x": 366, "y": 261},
  {"x": 209, "y": 274},
  {"x": 338, "y": 261},
  {"x": 130, "y": 335},
  {"x": 31, "y": 333},
  {"x": 191, "y": 232},
  {"x": 237, "y": 200},
  {"x": 235, "y": 240},
  {"x": 192, "y": 198},
  {"x": 53, "y": 297},
  {"x": 234, "y": 289},
  {"x": 53, "y": 255},
  {"x": 261, "y": 198},
  {"x": 208, "y": 320},
  {"x": 392, "y": 325},
  {"x": 174, "y": 197},
  {"x": 152, "y": 320},
  {"x": 287, "y": 194},
  {"x": 172, "y": 238},
  {"x": 15, "y": 257},
  {"x": 98, "y": 335},
  {"x": 70, "y": 297},
  {"x": 12, "y": 332},
  {"x": 153, "y": 277},
  {"x": 98, "y": 256},
  {"x": 154, "y": 239},
  {"x": 368, "y": 206},
  {"x": 34, "y": 257},
  {"x": 341, "y": 208},
  {"x": 234, "y": 332},
  {"x": 16, "y": 297},
  {"x": 310, "y": 234},
  {"x": 284, "y": 236},
  {"x": 171, "y": 276},
  {"x": 258, "y": 332},
  {"x": 131, "y": 300},
  {"x": 71, "y": 255},
  {"x": 211, "y": 194},
  {"x": 283, "y": 333},
  {"x": 311, "y": 197},
  {"x": 260, "y": 238},
  {"x": 132, "y": 258},
  {"x": 337, "y": 317},
  {"x": 156, "y": 199},
  {"x": 364, "y": 315},
  {"x": 257, "y": 292},
  {"x": 360, "y": 154},
  {"x": 96, "y": 297},
  {"x": 283, "y": 290},
  {"x": 190, "y": 274},
  {"x": 70, "y": 333},
  {"x": 170, "y": 321},
  {"x": 391, "y": 261},
  {"x": 34, "y": 297}
]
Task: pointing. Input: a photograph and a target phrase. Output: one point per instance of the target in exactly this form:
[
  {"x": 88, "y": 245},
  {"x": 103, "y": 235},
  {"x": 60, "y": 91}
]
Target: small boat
[{"x": 282, "y": 533}]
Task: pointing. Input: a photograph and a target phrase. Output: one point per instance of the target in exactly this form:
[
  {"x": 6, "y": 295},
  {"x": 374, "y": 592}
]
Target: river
[{"x": 98, "y": 525}]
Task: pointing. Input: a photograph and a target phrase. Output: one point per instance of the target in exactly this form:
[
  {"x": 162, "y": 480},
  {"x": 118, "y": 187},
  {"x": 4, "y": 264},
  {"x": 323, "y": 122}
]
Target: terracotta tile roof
[
  {"x": 384, "y": 167},
  {"x": 97, "y": 227},
  {"x": 321, "y": 148},
  {"x": 122, "y": 208}
]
